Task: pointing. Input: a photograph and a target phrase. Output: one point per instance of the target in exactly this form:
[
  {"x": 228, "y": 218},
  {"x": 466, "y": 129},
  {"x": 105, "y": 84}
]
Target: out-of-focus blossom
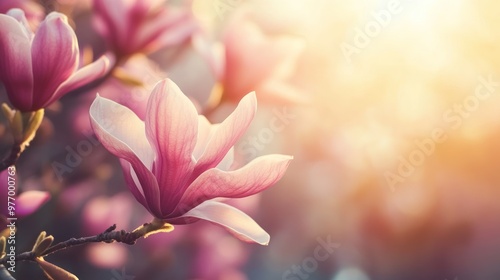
[
  {"x": 133, "y": 83},
  {"x": 252, "y": 60},
  {"x": 39, "y": 68},
  {"x": 34, "y": 12},
  {"x": 217, "y": 255},
  {"x": 98, "y": 215},
  {"x": 176, "y": 162},
  {"x": 101, "y": 212},
  {"x": 141, "y": 26},
  {"x": 25, "y": 203}
]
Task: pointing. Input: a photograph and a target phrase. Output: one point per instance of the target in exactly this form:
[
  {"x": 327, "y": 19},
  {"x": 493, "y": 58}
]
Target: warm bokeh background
[{"x": 366, "y": 174}]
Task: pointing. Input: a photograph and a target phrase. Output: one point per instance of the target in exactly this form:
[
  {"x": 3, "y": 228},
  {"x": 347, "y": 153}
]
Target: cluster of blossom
[{"x": 177, "y": 164}]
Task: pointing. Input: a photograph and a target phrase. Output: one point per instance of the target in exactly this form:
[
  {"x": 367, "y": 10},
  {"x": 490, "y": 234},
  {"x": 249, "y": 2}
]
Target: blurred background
[{"x": 390, "y": 109}]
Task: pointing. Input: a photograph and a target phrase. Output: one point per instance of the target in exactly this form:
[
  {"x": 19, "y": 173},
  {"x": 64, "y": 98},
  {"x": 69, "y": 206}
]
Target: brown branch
[{"x": 108, "y": 236}]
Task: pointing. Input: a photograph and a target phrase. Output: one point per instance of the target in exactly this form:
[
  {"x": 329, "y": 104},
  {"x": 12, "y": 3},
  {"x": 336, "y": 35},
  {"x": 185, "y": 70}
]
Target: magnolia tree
[{"x": 177, "y": 157}]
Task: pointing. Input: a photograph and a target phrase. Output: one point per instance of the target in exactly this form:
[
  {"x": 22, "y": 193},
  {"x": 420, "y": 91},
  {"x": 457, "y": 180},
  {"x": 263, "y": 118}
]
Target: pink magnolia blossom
[
  {"x": 250, "y": 60},
  {"x": 38, "y": 69},
  {"x": 132, "y": 26},
  {"x": 25, "y": 203},
  {"x": 34, "y": 11},
  {"x": 177, "y": 163}
]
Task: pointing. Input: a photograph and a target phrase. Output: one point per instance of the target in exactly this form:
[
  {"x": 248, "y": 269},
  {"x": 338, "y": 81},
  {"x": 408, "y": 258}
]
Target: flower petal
[
  {"x": 133, "y": 183},
  {"x": 122, "y": 133},
  {"x": 234, "y": 220},
  {"x": 170, "y": 27},
  {"x": 83, "y": 76},
  {"x": 254, "y": 177},
  {"x": 18, "y": 14},
  {"x": 227, "y": 133},
  {"x": 55, "y": 56},
  {"x": 113, "y": 14},
  {"x": 29, "y": 201},
  {"x": 205, "y": 131},
  {"x": 213, "y": 52},
  {"x": 171, "y": 127},
  {"x": 15, "y": 69}
]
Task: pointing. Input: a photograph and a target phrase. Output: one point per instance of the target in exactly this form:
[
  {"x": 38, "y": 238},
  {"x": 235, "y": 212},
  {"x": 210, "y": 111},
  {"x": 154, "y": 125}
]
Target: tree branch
[{"x": 108, "y": 236}]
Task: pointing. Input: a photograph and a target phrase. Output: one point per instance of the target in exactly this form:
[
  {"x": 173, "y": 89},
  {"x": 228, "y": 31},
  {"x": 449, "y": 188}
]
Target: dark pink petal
[
  {"x": 122, "y": 133},
  {"x": 83, "y": 76},
  {"x": 227, "y": 133},
  {"x": 15, "y": 67},
  {"x": 55, "y": 56},
  {"x": 29, "y": 201},
  {"x": 171, "y": 127},
  {"x": 113, "y": 15},
  {"x": 253, "y": 178},
  {"x": 234, "y": 220}
]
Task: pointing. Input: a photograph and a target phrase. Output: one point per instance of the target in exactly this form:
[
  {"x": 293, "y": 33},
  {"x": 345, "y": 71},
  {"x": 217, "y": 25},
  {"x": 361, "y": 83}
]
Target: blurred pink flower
[
  {"x": 251, "y": 60},
  {"x": 38, "y": 69},
  {"x": 132, "y": 26},
  {"x": 101, "y": 212},
  {"x": 34, "y": 11},
  {"x": 176, "y": 162},
  {"x": 133, "y": 96},
  {"x": 25, "y": 203}
]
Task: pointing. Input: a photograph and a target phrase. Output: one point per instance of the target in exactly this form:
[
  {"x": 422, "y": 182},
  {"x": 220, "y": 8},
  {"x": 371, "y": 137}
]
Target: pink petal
[
  {"x": 112, "y": 14},
  {"x": 18, "y": 14},
  {"x": 205, "y": 131},
  {"x": 170, "y": 27},
  {"x": 83, "y": 76},
  {"x": 34, "y": 11},
  {"x": 227, "y": 133},
  {"x": 55, "y": 56},
  {"x": 133, "y": 183},
  {"x": 250, "y": 58},
  {"x": 29, "y": 201},
  {"x": 253, "y": 58},
  {"x": 212, "y": 52},
  {"x": 171, "y": 127},
  {"x": 228, "y": 161},
  {"x": 234, "y": 220},
  {"x": 179, "y": 31},
  {"x": 253, "y": 178},
  {"x": 15, "y": 69},
  {"x": 122, "y": 133}
]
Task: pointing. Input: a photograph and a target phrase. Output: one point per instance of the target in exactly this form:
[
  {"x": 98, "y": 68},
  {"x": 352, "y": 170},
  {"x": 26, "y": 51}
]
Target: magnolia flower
[
  {"x": 132, "y": 26},
  {"x": 38, "y": 69},
  {"x": 25, "y": 203},
  {"x": 176, "y": 163},
  {"x": 34, "y": 11},
  {"x": 250, "y": 60}
]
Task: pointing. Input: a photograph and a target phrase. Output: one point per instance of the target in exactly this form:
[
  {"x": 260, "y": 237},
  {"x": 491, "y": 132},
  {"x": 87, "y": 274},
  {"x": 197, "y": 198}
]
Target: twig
[{"x": 108, "y": 236}]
